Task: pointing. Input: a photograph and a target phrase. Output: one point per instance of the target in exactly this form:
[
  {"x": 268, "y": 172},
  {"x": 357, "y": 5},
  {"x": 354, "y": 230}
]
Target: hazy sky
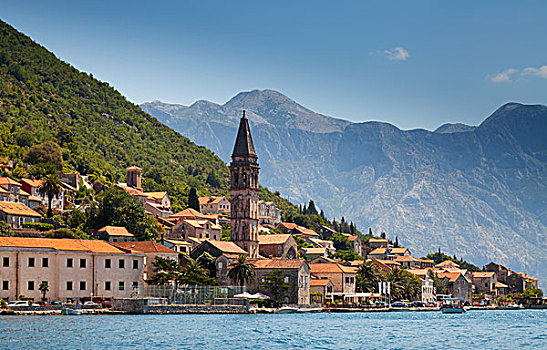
[{"x": 410, "y": 63}]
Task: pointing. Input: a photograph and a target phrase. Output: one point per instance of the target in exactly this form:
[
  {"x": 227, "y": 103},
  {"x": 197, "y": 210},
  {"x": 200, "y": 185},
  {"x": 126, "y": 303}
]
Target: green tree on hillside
[
  {"x": 50, "y": 186},
  {"x": 47, "y": 152},
  {"x": 118, "y": 208},
  {"x": 275, "y": 283}
]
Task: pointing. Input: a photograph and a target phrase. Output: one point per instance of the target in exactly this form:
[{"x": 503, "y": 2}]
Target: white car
[
  {"x": 18, "y": 303},
  {"x": 90, "y": 303}
]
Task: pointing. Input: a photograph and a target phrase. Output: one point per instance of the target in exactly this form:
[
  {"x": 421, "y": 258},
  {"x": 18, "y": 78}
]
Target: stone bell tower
[{"x": 244, "y": 191}]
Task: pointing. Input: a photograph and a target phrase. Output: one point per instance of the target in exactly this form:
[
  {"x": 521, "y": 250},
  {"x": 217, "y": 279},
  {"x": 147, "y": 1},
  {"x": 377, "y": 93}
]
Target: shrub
[{"x": 40, "y": 226}]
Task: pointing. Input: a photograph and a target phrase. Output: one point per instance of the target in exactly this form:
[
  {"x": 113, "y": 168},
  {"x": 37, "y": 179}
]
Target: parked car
[
  {"x": 398, "y": 304},
  {"x": 416, "y": 304},
  {"x": 106, "y": 303},
  {"x": 35, "y": 304},
  {"x": 18, "y": 303},
  {"x": 90, "y": 303}
]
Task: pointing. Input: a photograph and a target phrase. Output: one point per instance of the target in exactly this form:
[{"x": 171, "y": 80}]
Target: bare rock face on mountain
[{"x": 477, "y": 192}]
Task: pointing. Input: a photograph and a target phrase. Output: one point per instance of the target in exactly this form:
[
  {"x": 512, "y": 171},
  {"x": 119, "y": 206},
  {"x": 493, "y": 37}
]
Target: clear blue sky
[{"x": 410, "y": 63}]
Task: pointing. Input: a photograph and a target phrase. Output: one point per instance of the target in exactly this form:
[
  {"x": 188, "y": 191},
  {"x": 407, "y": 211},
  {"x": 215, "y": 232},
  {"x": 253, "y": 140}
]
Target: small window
[
  {"x": 220, "y": 265},
  {"x": 30, "y": 262},
  {"x": 107, "y": 285},
  {"x": 83, "y": 263},
  {"x": 107, "y": 263},
  {"x": 45, "y": 262},
  {"x": 82, "y": 285},
  {"x": 135, "y": 264},
  {"x": 5, "y": 285},
  {"x": 5, "y": 261},
  {"x": 135, "y": 285},
  {"x": 121, "y": 263},
  {"x": 286, "y": 279},
  {"x": 69, "y": 262},
  {"x": 30, "y": 285},
  {"x": 69, "y": 285},
  {"x": 121, "y": 285}
]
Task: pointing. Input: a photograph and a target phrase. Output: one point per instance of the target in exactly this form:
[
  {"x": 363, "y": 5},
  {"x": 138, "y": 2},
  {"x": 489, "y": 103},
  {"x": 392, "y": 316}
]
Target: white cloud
[
  {"x": 539, "y": 72},
  {"x": 396, "y": 54},
  {"x": 503, "y": 77}
]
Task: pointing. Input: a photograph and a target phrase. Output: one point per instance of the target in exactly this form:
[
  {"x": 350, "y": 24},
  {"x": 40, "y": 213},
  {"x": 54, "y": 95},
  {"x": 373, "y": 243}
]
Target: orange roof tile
[
  {"x": 189, "y": 212},
  {"x": 273, "y": 239},
  {"x": 228, "y": 247},
  {"x": 116, "y": 231},
  {"x": 17, "y": 209},
  {"x": 155, "y": 195},
  {"x": 143, "y": 247},
  {"x": 32, "y": 183},
  {"x": 483, "y": 274},
  {"x": 7, "y": 181},
  {"x": 378, "y": 240},
  {"x": 2, "y": 190},
  {"x": 61, "y": 244},
  {"x": 276, "y": 263},
  {"x": 319, "y": 282},
  {"x": 325, "y": 268},
  {"x": 133, "y": 168},
  {"x": 210, "y": 200}
]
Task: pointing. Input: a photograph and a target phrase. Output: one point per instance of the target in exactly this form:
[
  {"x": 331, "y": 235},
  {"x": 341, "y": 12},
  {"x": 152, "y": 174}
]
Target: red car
[{"x": 106, "y": 303}]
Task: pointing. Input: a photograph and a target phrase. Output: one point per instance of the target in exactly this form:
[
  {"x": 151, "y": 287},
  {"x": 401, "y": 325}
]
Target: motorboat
[
  {"x": 310, "y": 310},
  {"x": 286, "y": 310},
  {"x": 71, "y": 312},
  {"x": 452, "y": 306}
]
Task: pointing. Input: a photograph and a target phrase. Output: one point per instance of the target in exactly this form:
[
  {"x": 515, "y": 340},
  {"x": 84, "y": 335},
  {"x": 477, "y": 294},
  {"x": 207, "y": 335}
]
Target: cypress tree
[
  {"x": 193, "y": 199},
  {"x": 396, "y": 245}
]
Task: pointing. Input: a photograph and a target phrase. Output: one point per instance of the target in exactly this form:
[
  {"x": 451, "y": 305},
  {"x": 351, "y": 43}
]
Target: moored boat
[
  {"x": 310, "y": 310},
  {"x": 286, "y": 310},
  {"x": 452, "y": 306},
  {"x": 72, "y": 312}
]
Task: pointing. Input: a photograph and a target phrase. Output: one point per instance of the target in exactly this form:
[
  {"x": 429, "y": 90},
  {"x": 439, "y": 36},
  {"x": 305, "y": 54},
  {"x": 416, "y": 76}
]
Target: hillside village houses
[{"x": 118, "y": 265}]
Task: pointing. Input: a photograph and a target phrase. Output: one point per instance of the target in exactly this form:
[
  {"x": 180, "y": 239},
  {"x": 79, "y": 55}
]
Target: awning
[{"x": 252, "y": 296}]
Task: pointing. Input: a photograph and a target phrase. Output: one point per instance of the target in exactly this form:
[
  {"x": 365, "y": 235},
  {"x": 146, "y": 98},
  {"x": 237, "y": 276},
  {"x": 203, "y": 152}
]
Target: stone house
[
  {"x": 268, "y": 213},
  {"x": 323, "y": 286},
  {"x": 388, "y": 253},
  {"x": 313, "y": 253},
  {"x": 32, "y": 187},
  {"x": 16, "y": 214},
  {"x": 342, "y": 277},
  {"x": 178, "y": 245},
  {"x": 225, "y": 252},
  {"x": 296, "y": 272},
  {"x": 458, "y": 285},
  {"x": 412, "y": 262},
  {"x": 150, "y": 250},
  {"x": 278, "y": 246},
  {"x": 378, "y": 243},
  {"x": 72, "y": 268},
  {"x": 214, "y": 205},
  {"x": 485, "y": 282},
  {"x": 356, "y": 243},
  {"x": 197, "y": 229}
]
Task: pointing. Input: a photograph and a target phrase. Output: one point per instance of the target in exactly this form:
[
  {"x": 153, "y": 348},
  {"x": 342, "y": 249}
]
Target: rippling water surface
[{"x": 524, "y": 329}]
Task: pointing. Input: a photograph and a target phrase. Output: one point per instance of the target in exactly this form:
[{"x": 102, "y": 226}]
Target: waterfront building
[
  {"x": 72, "y": 269},
  {"x": 428, "y": 290},
  {"x": 342, "y": 277},
  {"x": 323, "y": 286},
  {"x": 244, "y": 191},
  {"x": 150, "y": 250},
  {"x": 296, "y": 273}
]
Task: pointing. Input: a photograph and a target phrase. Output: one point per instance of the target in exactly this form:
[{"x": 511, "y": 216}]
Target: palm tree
[
  {"x": 241, "y": 271},
  {"x": 50, "y": 187},
  {"x": 368, "y": 277},
  {"x": 44, "y": 289}
]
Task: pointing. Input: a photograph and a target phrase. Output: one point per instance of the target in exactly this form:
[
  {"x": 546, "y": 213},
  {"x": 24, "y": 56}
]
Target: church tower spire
[{"x": 244, "y": 191}]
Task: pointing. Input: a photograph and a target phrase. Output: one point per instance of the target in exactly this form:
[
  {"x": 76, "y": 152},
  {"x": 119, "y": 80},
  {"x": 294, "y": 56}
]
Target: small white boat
[
  {"x": 71, "y": 312},
  {"x": 452, "y": 306},
  {"x": 310, "y": 310},
  {"x": 286, "y": 310},
  {"x": 513, "y": 307}
]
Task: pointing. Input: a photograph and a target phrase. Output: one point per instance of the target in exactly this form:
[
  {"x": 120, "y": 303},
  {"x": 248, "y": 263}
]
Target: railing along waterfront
[{"x": 191, "y": 295}]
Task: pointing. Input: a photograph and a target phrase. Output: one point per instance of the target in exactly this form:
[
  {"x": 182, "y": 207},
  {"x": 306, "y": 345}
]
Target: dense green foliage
[
  {"x": 368, "y": 277},
  {"x": 241, "y": 271},
  {"x": 118, "y": 208},
  {"x": 44, "y": 100},
  {"x": 188, "y": 272},
  {"x": 274, "y": 282}
]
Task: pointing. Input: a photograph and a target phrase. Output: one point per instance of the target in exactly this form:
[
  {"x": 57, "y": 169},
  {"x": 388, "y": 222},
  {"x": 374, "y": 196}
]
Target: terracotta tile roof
[
  {"x": 349, "y": 269},
  {"x": 24, "y": 193},
  {"x": 402, "y": 258},
  {"x": 31, "y": 183},
  {"x": 418, "y": 272},
  {"x": 62, "y": 244},
  {"x": 133, "y": 168},
  {"x": 483, "y": 274},
  {"x": 2, "y": 190},
  {"x": 276, "y": 263},
  {"x": 314, "y": 251},
  {"x": 398, "y": 250},
  {"x": 35, "y": 199},
  {"x": 378, "y": 251},
  {"x": 288, "y": 225},
  {"x": 178, "y": 241},
  {"x": 7, "y": 181},
  {"x": 155, "y": 195},
  {"x": 189, "y": 212},
  {"x": 17, "y": 209},
  {"x": 307, "y": 231},
  {"x": 319, "y": 282},
  {"x": 273, "y": 239},
  {"x": 378, "y": 240},
  {"x": 382, "y": 251},
  {"x": 116, "y": 231},
  {"x": 501, "y": 285},
  {"x": 210, "y": 200},
  {"x": 143, "y": 247},
  {"x": 447, "y": 263},
  {"x": 352, "y": 238},
  {"x": 325, "y": 268},
  {"x": 228, "y": 247}
]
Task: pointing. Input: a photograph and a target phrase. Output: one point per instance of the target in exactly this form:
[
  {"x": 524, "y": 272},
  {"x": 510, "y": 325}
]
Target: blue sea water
[{"x": 519, "y": 329}]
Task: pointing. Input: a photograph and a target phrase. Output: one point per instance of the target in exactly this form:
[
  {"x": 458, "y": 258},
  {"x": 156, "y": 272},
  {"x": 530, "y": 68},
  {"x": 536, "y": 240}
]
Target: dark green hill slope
[{"x": 43, "y": 98}]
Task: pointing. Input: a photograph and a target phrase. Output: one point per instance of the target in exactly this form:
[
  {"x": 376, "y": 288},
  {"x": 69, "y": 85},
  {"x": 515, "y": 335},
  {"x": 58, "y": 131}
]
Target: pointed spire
[{"x": 244, "y": 142}]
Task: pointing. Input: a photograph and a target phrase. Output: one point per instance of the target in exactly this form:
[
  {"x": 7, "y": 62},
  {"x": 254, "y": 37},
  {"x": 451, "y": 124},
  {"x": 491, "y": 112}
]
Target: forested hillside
[{"x": 100, "y": 132}]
